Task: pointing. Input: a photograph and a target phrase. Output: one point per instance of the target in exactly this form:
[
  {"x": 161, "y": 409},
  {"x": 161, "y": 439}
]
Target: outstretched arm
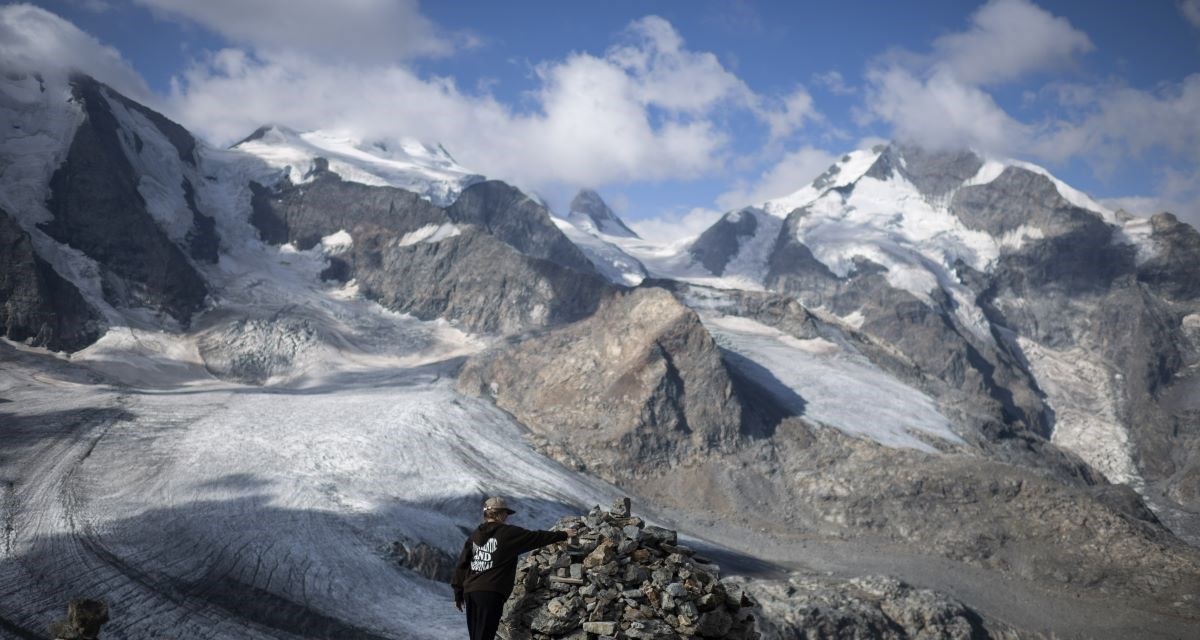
[{"x": 527, "y": 540}]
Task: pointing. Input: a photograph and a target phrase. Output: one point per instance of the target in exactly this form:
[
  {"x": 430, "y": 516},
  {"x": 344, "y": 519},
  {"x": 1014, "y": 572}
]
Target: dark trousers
[{"x": 483, "y": 613}]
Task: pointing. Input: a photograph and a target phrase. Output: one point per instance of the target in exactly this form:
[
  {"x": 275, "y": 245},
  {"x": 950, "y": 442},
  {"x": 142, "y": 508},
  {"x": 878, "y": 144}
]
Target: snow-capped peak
[
  {"x": 846, "y": 170},
  {"x": 406, "y": 163}
]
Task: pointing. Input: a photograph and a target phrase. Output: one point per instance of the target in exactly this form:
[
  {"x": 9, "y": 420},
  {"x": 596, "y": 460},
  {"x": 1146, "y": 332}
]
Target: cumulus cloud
[
  {"x": 349, "y": 29},
  {"x": 938, "y": 99},
  {"x": 1008, "y": 39},
  {"x": 35, "y": 40},
  {"x": 793, "y": 171}
]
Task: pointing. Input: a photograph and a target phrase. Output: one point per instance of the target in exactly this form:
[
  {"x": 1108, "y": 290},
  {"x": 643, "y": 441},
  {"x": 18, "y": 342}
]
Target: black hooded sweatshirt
[{"x": 488, "y": 561}]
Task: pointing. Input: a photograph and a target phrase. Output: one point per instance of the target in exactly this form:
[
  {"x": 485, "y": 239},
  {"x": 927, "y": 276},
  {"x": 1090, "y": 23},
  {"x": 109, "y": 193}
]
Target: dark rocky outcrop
[
  {"x": 722, "y": 241},
  {"x": 640, "y": 383},
  {"x": 203, "y": 242},
  {"x": 38, "y": 306},
  {"x": 1174, "y": 269},
  {"x": 503, "y": 267},
  {"x": 303, "y": 214},
  {"x": 423, "y": 559},
  {"x": 510, "y": 215},
  {"x": 474, "y": 279},
  {"x": 871, "y": 607},
  {"x": 97, "y": 209},
  {"x": 934, "y": 173}
]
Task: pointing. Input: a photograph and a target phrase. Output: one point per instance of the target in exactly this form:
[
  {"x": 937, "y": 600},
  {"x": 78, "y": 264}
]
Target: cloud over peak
[{"x": 35, "y": 40}]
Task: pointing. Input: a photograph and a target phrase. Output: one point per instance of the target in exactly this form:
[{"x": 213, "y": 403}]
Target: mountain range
[{"x": 236, "y": 377}]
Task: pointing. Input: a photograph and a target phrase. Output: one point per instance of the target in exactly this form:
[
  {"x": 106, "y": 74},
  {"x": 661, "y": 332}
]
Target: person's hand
[
  {"x": 572, "y": 532},
  {"x": 458, "y": 604}
]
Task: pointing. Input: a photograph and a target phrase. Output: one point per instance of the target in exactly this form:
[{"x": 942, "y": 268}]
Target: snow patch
[
  {"x": 604, "y": 252},
  {"x": 854, "y": 319},
  {"x": 429, "y": 233},
  {"x": 1071, "y": 194},
  {"x": 1139, "y": 233},
  {"x": 750, "y": 262},
  {"x": 1016, "y": 238},
  {"x": 1083, "y": 394},
  {"x": 846, "y": 171},
  {"x": 834, "y": 387},
  {"x": 338, "y": 242}
]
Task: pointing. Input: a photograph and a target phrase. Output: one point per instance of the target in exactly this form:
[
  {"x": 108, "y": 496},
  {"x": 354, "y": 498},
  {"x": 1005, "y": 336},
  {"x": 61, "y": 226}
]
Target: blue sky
[{"x": 674, "y": 110}]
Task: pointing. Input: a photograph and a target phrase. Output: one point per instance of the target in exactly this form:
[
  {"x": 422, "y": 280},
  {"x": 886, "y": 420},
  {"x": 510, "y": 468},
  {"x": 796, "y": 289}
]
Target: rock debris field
[{"x": 623, "y": 579}]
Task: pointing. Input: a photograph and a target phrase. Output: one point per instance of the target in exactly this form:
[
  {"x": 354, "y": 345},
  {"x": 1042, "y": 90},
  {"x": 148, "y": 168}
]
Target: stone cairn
[
  {"x": 83, "y": 621},
  {"x": 623, "y": 579}
]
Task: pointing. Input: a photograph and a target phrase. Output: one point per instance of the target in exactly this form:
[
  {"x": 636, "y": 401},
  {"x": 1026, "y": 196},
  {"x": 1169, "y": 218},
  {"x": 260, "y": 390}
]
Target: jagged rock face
[
  {"x": 500, "y": 266},
  {"x": 303, "y": 214},
  {"x": 865, "y": 608},
  {"x": 1174, "y": 270},
  {"x": 722, "y": 241},
  {"x": 1079, "y": 290},
  {"x": 1062, "y": 526},
  {"x": 589, "y": 205},
  {"x": 473, "y": 279},
  {"x": 1077, "y": 254},
  {"x": 519, "y": 221},
  {"x": 792, "y": 267},
  {"x": 933, "y": 172},
  {"x": 38, "y": 306},
  {"x": 638, "y": 383},
  {"x": 930, "y": 335},
  {"x": 97, "y": 209},
  {"x": 624, "y": 580}
]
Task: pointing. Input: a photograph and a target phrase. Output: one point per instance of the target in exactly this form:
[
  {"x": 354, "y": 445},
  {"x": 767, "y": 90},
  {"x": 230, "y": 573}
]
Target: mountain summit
[
  {"x": 425, "y": 169},
  {"x": 589, "y": 209}
]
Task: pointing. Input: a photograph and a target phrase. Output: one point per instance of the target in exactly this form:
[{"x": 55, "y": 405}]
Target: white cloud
[
  {"x": 648, "y": 109},
  {"x": 1122, "y": 122},
  {"x": 379, "y": 30},
  {"x": 675, "y": 226},
  {"x": 834, "y": 82},
  {"x": 790, "y": 115},
  {"x": 941, "y": 112},
  {"x": 35, "y": 40},
  {"x": 1190, "y": 10},
  {"x": 669, "y": 76},
  {"x": 1008, "y": 39},
  {"x": 795, "y": 170},
  {"x": 938, "y": 99}
]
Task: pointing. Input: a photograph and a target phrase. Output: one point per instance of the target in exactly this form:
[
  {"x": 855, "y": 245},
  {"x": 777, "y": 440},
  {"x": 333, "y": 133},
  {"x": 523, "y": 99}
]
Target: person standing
[{"x": 487, "y": 566}]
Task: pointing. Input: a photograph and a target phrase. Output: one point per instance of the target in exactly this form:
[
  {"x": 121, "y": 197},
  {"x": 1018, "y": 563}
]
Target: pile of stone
[
  {"x": 83, "y": 621},
  {"x": 623, "y": 579}
]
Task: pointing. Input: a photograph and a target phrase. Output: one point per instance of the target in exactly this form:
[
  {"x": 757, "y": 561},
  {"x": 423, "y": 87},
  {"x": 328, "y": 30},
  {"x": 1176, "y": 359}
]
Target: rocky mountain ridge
[{"x": 902, "y": 368}]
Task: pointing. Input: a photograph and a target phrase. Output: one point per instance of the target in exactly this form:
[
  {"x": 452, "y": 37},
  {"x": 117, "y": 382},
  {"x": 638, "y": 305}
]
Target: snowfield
[
  {"x": 832, "y": 387},
  {"x": 195, "y": 507}
]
